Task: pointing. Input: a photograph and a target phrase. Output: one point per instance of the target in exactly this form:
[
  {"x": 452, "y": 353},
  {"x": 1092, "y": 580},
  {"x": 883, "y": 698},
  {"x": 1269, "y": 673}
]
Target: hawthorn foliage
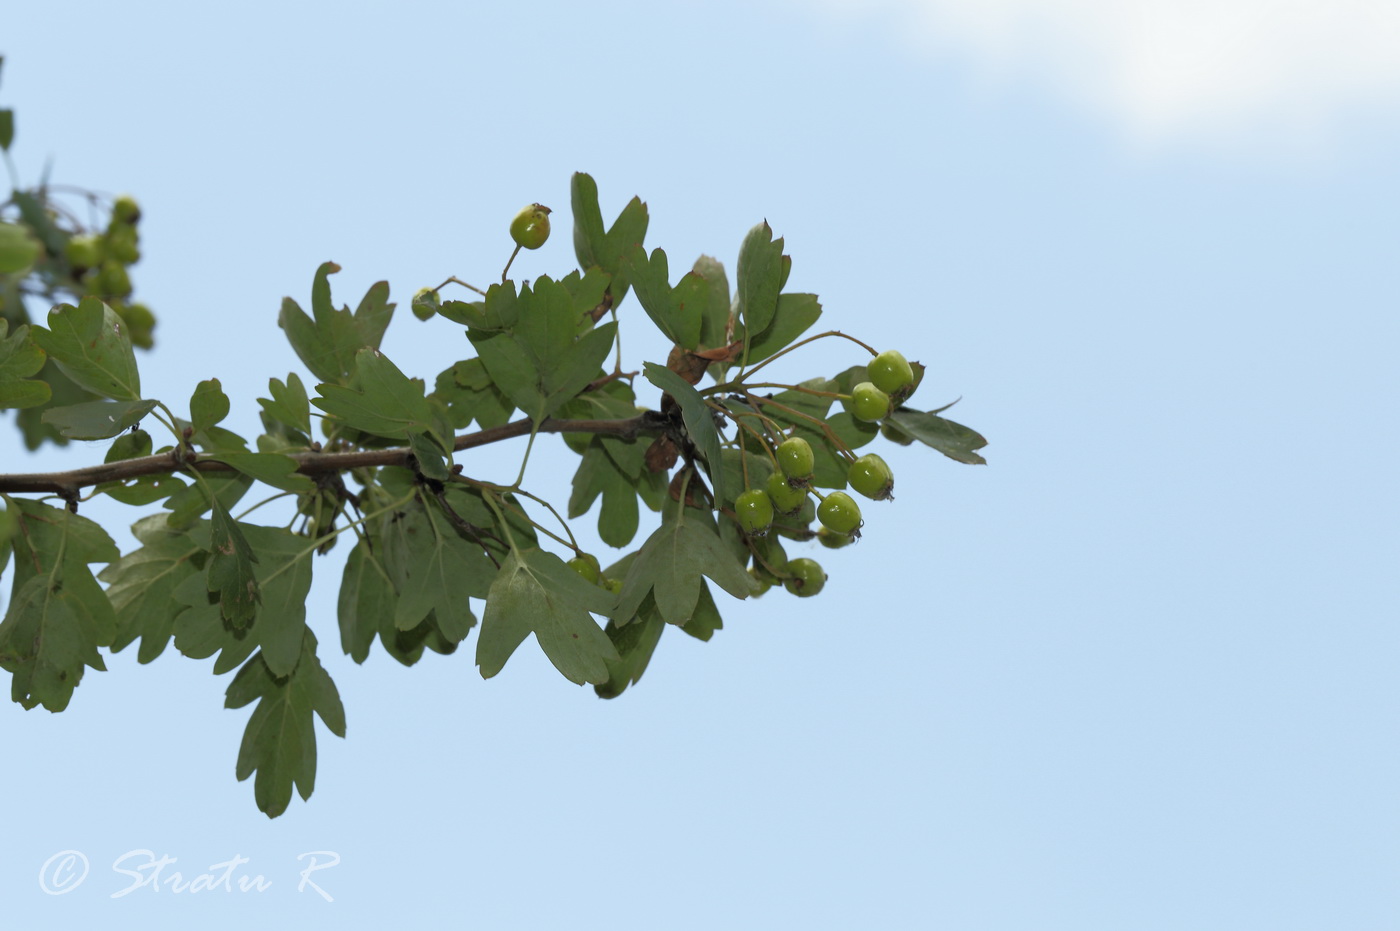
[{"x": 365, "y": 454}]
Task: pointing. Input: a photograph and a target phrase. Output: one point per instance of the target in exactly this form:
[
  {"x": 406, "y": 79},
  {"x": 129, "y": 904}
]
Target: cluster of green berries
[
  {"x": 891, "y": 382},
  {"x": 786, "y": 493},
  {"x": 100, "y": 263}
]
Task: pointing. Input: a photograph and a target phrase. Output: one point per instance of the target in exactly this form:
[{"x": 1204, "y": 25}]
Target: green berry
[
  {"x": 795, "y": 458},
  {"x": 425, "y": 303},
  {"x": 126, "y": 210},
  {"x": 869, "y": 403},
  {"x": 807, "y": 577},
  {"x": 113, "y": 280},
  {"x": 895, "y": 434},
  {"x": 122, "y": 245},
  {"x": 871, "y": 476},
  {"x": 530, "y": 228},
  {"x": 890, "y": 371},
  {"x": 839, "y": 512},
  {"x": 763, "y": 582},
  {"x": 754, "y": 510},
  {"x": 18, "y": 249},
  {"x": 833, "y": 540},
  {"x": 785, "y": 498},
  {"x": 139, "y": 323},
  {"x": 587, "y": 566},
  {"x": 84, "y": 251}
]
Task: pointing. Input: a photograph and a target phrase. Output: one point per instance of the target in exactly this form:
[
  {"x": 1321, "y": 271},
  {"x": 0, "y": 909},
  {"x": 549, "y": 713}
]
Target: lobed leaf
[
  {"x": 90, "y": 345},
  {"x": 536, "y": 592},
  {"x": 279, "y": 743}
]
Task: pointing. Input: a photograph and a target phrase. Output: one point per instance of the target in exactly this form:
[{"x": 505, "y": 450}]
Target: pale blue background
[{"x": 1138, "y": 673}]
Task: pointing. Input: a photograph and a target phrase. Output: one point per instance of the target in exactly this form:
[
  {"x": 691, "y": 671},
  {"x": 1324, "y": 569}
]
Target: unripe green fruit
[
  {"x": 890, "y": 371},
  {"x": 869, "y": 403},
  {"x": 122, "y": 245},
  {"x": 425, "y": 303},
  {"x": 795, "y": 458},
  {"x": 807, "y": 577},
  {"x": 785, "y": 498},
  {"x": 530, "y": 228},
  {"x": 763, "y": 582},
  {"x": 139, "y": 323},
  {"x": 871, "y": 476},
  {"x": 126, "y": 210},
  {"x": 833, "y": 540},
  {"x": 113, "y": 280},
  {"x": 895, "y": 434},
  {"x": 839, "y": 512},
  {"x": 586, "y": 566},
  {"x": 754, "y": 510},
  {"x": 84, "y": 251},
  {"x": 18, "y": 248},
  {"x": 613, "y": 585}
]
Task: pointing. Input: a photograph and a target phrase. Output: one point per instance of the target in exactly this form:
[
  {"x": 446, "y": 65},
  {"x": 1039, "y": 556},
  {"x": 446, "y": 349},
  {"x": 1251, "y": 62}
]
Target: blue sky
[{"x": 1138, "y": 672}]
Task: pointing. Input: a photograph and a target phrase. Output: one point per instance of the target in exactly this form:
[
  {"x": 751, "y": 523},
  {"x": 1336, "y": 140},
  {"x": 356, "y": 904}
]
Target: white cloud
[{"x": 1175, "y": 70}]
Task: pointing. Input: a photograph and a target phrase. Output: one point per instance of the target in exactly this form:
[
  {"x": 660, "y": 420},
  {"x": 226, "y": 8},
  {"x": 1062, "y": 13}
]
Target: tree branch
[{"x": 317, "y": 463}]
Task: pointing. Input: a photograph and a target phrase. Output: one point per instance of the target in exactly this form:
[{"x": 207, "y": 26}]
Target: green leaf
[
  {"x": 759, "y": 278},
  {"x": 58, "y": 615},
  {"x": 279, "y": 743},
  {"x": 89, "y": 343},
  {"x": 586, "y": 292},
  {"x": 7, "y": 129},
  {"x": 434, "y": 570},
  {"x": 230, "y": 572},
  {"x": 200, "y": 629},
  {"x": 284, "y": 581},
  {"x": 706, "y": 620},
  {"x": 365, "y": 604},
  {"x": 37, "y": 215},
  {"x": 669, "y": 566},
  {"x": 289, "y": 405},
  {"x": 543, "y": 362},
  {"x": 794, "y": 316},
  {"x": 512, "y": 370},
  {"x": 605, "y": 250},
  {"x": 133, "y": 444},
  {"x": 53, "y": 628},
  {"x": 329, "y": 343},
  {"x": 470, "y": 394},
  {"x": 141, "y": 585},
  {"x": 373, "y": 314},
  {"x": 19, "y": 359},
  {"x": 854, "y": 433},
  {"x": 599, "y": 474},
  {"x": 676, "y": 311},
  {"x": 699, "y": 421},
  {"x": 635, "y": 643},
  {"x": 536, "y": 592},
  {"x": 714, "y": 319},
  {"x": 97, "y": 420},
  {"x": 951, "y": 439},
  {"x": 208, "y": 405},
  {"x": 188, "y": 504},
  {"x": 386, "y": 402},
  {"x": 269, "y": 468},
  {"x": 433, "y": 461}
]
